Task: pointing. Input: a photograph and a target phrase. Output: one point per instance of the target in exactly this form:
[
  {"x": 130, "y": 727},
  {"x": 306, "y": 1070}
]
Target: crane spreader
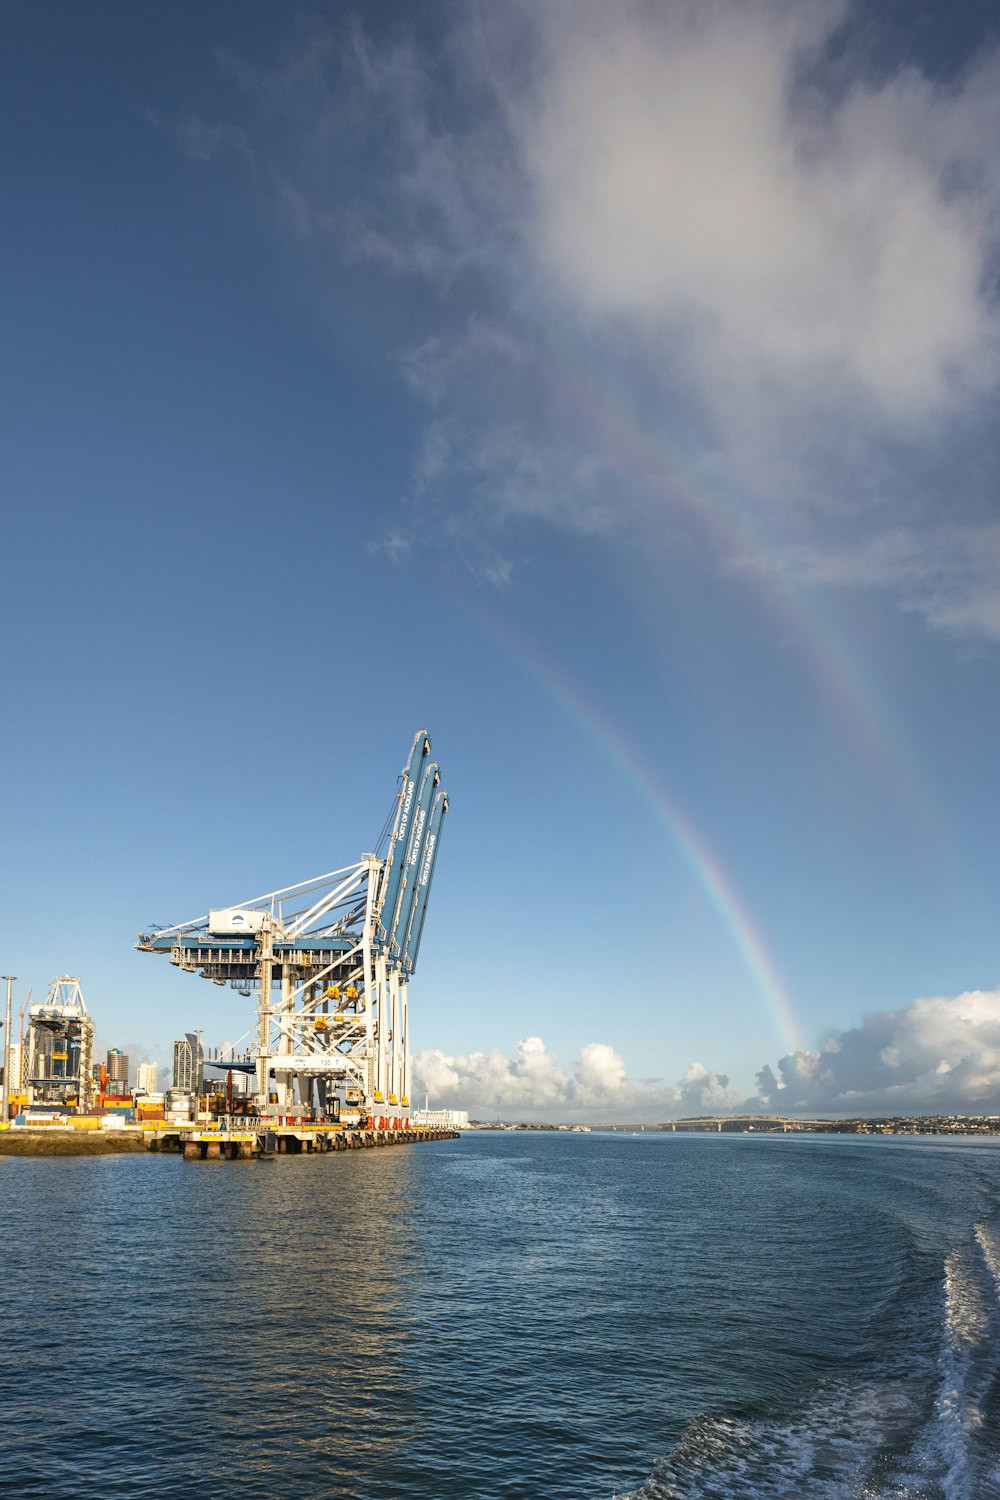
[{"x": 339, "y": 949}]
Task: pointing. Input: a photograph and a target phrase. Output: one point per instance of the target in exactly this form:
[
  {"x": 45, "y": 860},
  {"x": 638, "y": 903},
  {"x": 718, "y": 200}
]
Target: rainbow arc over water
[
  {"x": 660, "y": 456},
  {"x": 657, "y": 454},
  {"x": 703, "y": 863}
]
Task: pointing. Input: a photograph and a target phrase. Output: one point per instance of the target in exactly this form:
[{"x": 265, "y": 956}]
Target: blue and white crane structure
[{"x": 330, "y": 959}]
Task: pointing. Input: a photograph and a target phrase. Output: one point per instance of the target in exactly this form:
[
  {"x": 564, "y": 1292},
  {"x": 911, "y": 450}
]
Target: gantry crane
[
  {"x": 57, "y": 1063},
  {"x": 330, "y": 960}
]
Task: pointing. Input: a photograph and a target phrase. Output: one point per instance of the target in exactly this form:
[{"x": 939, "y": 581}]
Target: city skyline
[{"x": 611, "y": 391}]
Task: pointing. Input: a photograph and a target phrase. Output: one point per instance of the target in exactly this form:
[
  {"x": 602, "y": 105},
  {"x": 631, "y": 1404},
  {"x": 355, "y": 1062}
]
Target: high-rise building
[
  {"x": 189, "y": 1061},
  {"x": 15, "y": 1067},
  {"x": 145, "y": 1078},
  {"x": 117, "y": 1071}
]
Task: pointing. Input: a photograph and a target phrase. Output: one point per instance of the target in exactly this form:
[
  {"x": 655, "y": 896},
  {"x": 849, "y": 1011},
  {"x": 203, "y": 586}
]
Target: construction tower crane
[{"x": 330, "y": 960}]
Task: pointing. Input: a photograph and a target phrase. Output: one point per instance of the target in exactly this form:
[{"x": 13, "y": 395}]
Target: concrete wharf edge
[{"x": 202, "y": 1144}]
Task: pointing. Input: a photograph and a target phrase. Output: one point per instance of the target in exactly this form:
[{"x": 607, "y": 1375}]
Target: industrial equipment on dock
[
  {"x": 59, "y": 1057},
  {"x": 330, "y": 960}
]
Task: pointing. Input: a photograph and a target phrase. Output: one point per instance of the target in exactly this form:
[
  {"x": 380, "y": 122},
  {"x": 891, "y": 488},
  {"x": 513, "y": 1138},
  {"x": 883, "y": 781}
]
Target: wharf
[
  {"x": 250, "y": 1142},
  {"x": 204, "y": 1143}
]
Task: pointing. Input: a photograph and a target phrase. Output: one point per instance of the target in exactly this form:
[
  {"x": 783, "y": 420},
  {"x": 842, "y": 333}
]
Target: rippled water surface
[{"x": 508, "y": 1315}]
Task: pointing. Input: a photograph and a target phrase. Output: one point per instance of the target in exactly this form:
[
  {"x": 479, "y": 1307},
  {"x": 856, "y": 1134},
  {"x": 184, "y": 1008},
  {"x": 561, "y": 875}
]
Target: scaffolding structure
[{"x": 329, "y": 960}]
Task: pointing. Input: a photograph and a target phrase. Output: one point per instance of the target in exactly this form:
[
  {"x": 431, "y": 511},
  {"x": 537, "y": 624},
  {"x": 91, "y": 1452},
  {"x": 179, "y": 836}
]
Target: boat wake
[{"x": 921, "y": 1424}]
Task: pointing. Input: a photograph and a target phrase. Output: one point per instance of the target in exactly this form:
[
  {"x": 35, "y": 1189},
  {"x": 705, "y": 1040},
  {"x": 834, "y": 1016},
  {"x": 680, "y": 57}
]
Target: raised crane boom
[
  {"x": 395, "y": 860},
  {"x": 338, "y": 950},
  {"x": 411, "y": 865},
  {"x": 423, "y": 889}
]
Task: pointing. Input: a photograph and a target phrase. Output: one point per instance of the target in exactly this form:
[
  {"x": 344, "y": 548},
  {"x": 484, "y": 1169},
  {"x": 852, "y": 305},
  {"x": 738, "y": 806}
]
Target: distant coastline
[{"x": 780, "y": 1125}]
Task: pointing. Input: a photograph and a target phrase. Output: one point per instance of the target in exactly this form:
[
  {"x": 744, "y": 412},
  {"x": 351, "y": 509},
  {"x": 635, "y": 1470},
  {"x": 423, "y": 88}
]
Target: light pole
[{"x": 6, "y": 1049}]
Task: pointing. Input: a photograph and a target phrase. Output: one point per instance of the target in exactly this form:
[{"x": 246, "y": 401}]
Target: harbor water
[{"x": 523, "y": 1316}]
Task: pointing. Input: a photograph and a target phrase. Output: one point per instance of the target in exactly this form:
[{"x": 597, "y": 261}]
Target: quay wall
[
  {"x": 286, "y": 1140},
  {"x": 203, "y": 1143}
]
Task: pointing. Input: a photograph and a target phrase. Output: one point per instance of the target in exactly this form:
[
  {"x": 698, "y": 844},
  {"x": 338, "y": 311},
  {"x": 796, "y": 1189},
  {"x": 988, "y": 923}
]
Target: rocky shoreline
[{"x": 54, "y": 1142}]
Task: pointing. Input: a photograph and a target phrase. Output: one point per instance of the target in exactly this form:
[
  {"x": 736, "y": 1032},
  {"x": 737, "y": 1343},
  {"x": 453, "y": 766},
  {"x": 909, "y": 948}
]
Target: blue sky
[{"x": 610, "y": 389}]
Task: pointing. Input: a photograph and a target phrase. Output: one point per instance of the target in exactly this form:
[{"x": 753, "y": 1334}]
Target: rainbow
[
  {"x": 664, "y": 463},
  {"x": 689, "y": 842}
]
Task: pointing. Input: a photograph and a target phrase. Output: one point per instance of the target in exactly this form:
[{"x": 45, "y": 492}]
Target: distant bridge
[{"x": 743, "y": 1124}]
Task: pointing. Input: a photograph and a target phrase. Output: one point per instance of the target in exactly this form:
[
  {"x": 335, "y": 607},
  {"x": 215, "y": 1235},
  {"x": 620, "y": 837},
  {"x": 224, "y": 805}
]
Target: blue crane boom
[
  {"x": 411, "y": 865},
  {"x": 412, "y": 945},
  {"x": 399, "y": 840}
]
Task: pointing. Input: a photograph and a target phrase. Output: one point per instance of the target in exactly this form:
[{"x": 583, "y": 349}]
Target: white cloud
[
  {"x": 802, "y": 252},
  {"x": 684, "y": 174},
  {"x": 935, "y": 1055},
  {"x": 534, "y": 1084},
  {"x": 202, "y": 141},
  {"x": 599, "y": 1075},
  {"x": 394, "y": 546},
  {"x": 532, "y": 1079},
  {"x": 703, "y": 1091},
  {"x": 726, "y": 221},
  {"x": 950, "y": 574}
]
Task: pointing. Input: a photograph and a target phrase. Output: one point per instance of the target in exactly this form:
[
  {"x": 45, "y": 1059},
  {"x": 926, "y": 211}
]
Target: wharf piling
[{"x": 205, "y": 1144}]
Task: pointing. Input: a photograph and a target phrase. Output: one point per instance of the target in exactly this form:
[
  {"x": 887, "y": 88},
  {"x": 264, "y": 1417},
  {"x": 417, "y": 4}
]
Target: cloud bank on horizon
[
  {"x": 675, "y": 250},
  {"x": 938, "y": 1055}
]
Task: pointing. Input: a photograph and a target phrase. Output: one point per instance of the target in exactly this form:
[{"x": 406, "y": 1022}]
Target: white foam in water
[
  {"x": 986, "y": 1234},
  {"x": 944, "y": 1447},
  {"x": 952, "y": 1452},
  {"x": 967, "y": 1311},
  {"x": 825, "y": 1453},
  {"x": 890, "y": 1438}
]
